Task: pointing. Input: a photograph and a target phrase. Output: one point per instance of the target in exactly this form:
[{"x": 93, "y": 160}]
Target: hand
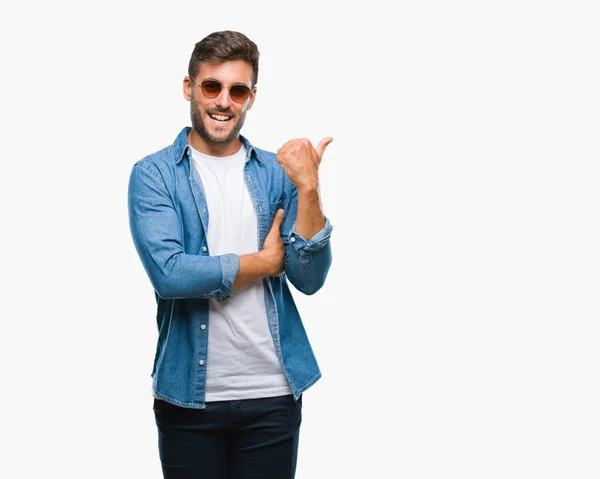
[
  {"x": 273, "y": 251},
  {"x": 300, "y": 161}
]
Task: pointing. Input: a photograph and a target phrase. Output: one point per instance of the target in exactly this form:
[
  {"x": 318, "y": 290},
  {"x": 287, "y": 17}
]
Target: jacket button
[
  {"x": 203, "y": 326},
  {"x": 201, "y": 362},
  {"x": 293, "y": 239},
  {"x": 204, "y": 249}
]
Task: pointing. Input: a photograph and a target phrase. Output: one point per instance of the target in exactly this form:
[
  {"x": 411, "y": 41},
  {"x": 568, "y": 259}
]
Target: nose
[{"x": 223, "y": 100}]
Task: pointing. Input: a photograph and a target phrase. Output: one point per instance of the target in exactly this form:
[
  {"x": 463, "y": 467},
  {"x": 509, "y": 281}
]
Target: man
[{"x": 220, "y": 227}]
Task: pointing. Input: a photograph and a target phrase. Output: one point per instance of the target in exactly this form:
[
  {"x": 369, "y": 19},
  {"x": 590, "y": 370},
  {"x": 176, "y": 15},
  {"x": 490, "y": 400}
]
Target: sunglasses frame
[{"x": 221, "y": 89}]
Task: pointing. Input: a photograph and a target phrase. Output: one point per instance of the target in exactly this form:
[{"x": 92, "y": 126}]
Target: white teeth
[{"x": 220, "y": 117}]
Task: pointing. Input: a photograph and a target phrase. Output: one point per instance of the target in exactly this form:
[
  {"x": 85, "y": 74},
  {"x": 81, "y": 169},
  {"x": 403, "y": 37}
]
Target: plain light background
[{"x": 459, "y": 327}]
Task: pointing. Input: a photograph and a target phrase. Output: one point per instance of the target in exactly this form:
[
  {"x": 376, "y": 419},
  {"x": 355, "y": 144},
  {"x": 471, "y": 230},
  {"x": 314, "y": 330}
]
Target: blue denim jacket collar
[{"x": 181, "y": 146}]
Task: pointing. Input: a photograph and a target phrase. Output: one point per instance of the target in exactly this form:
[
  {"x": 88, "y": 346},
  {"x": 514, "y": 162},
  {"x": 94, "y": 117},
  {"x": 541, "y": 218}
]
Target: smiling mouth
[{"x": 219, "y": 117}]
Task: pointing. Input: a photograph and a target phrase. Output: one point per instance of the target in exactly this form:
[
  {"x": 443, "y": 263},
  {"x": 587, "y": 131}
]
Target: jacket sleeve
[
  {"x": 307, "y": 261},
  {"x": 157, "y": 235}
]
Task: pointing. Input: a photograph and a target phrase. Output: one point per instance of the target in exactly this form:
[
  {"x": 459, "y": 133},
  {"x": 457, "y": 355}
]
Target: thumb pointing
[{"x": 320, "y": 148}]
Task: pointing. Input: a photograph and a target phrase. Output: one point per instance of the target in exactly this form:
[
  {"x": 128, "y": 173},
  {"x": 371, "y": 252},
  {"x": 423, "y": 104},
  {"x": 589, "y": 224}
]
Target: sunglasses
[{"x": 212, "y": 89}]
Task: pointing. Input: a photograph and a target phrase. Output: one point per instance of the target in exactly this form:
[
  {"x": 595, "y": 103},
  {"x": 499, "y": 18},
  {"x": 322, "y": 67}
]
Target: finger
[
  {"x": 320, "y": 148},
  {"x": 278, "y": 218},
  {"x": 281, "y": 155}
]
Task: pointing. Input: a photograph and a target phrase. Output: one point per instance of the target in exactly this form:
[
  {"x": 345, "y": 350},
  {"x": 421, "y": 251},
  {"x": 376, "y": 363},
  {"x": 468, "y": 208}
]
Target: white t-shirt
[{"x": 241, "y": 360}]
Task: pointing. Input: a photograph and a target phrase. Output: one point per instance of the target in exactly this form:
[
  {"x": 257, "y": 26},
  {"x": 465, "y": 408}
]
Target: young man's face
[{"x": 219, "y": 120}]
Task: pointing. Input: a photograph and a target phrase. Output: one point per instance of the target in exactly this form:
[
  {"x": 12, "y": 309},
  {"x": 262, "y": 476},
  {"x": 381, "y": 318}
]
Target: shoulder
[
  {"x": 268, "y": 161},
  {"x": 264, "y": 155},
  {"x": 158, "y": 160},
  {"x": 167, "y": 158},
  {"x": 156, "y": 167}
]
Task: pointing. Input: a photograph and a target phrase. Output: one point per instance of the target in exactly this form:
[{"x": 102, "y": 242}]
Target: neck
[{"x": 213, "y": 149}]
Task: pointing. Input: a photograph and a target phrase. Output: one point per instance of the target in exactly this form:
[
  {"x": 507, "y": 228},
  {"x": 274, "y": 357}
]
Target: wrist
[
  {"x": 308, "y": 189},
  {"x": 268, "y": 261}
]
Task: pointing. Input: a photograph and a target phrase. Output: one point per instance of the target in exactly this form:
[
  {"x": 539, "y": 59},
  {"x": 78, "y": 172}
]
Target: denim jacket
[{"x": 168, "y": 218}]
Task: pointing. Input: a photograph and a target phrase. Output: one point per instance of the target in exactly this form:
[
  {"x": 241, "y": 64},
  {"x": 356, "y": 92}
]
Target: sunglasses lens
[
  {"x": 211, "y": 88},
  {"x": 239, "y": 93}
]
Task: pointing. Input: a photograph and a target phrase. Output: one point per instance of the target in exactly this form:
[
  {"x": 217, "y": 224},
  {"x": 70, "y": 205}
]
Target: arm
[
  {"x": 308, "y": 255},
  {"x": 310, "y": 219},
  {"x": 157, "y": 234}
]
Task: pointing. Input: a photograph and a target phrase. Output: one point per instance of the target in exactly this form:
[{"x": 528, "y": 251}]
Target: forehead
[{"x": 234, "y": 71}]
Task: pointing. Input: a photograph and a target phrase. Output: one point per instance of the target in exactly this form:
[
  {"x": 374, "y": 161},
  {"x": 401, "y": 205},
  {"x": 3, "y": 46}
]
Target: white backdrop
[{"x": 458, "y": 330}]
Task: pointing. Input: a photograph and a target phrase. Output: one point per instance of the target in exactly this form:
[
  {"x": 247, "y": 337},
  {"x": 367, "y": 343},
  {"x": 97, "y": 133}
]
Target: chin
[{"x": 220, "y": 138}]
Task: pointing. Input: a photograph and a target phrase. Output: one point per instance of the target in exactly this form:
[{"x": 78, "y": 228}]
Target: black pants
[{"x": 252, "y": 438}]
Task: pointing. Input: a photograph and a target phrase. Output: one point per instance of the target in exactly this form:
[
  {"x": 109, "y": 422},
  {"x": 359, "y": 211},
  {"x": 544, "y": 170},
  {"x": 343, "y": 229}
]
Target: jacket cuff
[
  {"x": 316, "y": 243},
  {"x": 230, "y": 265}
]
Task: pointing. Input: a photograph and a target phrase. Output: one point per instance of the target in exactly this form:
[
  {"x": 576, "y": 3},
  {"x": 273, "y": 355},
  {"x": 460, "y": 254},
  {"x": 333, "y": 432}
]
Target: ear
[
  {"x": 252, "y": 98},
  {"x": 187, "y": 88}
]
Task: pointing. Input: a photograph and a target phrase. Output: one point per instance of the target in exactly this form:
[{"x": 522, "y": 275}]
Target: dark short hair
[{"x": 225, "y": 46}]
